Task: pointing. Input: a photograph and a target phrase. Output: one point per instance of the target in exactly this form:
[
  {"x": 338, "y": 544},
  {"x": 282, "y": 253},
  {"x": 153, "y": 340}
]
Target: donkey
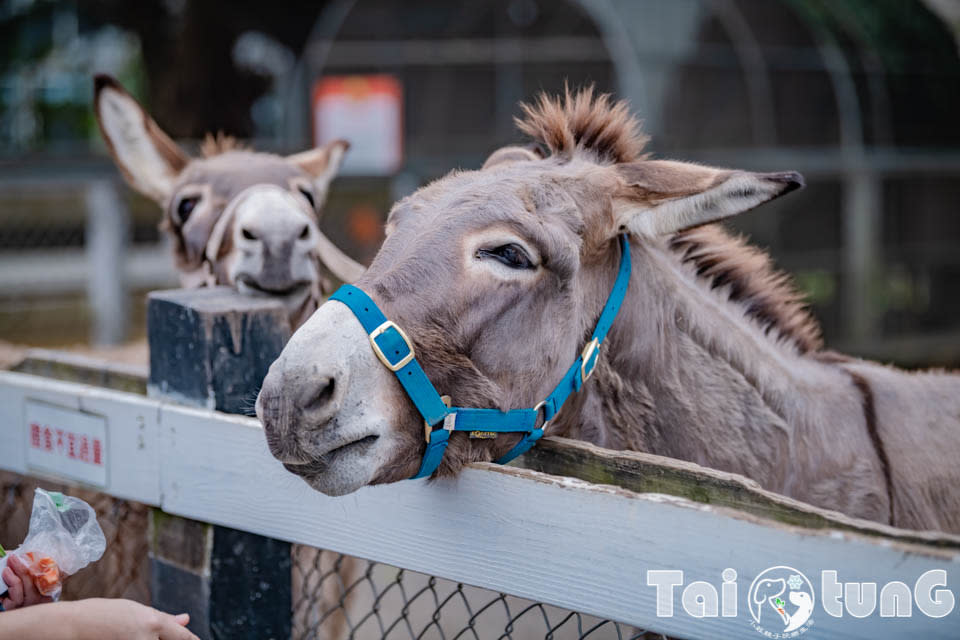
[
  {"x": 499, "y": 275},
  {"x": 236, "y": 217}
]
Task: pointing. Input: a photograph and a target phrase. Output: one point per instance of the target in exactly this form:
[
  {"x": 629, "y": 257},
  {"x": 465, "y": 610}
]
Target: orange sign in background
[{"x": 366, "y": 110}]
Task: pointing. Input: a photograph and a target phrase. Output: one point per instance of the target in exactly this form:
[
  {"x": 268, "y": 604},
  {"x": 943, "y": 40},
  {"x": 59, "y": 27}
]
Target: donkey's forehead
[
  {"x": 524, "y": 193},
  {"x": 231, "y": 172}
]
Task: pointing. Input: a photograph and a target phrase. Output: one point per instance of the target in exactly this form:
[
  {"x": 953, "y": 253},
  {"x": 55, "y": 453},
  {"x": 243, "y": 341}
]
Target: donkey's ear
[
  {"x": 507, "y": 155},
  {"x": 147, "y": 157},
  {"x": 658, "y": 197},
  {"x": 322, "y": 163}
]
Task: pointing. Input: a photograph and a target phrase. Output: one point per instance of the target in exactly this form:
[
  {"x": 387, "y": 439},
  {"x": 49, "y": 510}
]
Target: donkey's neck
[{"x": 687, "y": 373}]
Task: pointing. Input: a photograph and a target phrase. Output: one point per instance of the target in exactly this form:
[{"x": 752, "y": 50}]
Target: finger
[
  {"x": 15, "y": 563},
  {"x": 171, "y": 629},
  {"x": 30, "y": 593},
  {"x": 14, "y": 587},
  {"x": 18, "y": 566},
  {"x": 182, "y": 619}
]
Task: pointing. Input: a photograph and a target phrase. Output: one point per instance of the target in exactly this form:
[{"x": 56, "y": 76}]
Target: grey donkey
[
  {"x": 236, "y": 217},
  {"x": 498, "y": 276}
]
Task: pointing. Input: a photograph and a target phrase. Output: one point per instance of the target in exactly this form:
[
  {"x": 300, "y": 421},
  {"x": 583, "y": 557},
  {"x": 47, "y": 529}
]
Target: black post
[{"x": 212, "y": 348}]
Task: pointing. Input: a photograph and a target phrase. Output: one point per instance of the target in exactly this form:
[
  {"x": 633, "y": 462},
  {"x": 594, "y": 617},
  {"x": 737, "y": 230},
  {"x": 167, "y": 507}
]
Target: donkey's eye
[
  {"x": 186, "y": 207},
  {"x": 308, "y": 196},
  {"x": 511, "y": 255}
]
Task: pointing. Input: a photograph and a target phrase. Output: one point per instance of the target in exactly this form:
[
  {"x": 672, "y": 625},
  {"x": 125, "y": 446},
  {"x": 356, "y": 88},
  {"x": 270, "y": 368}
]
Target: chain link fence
[
  {"x": 337, "y": 597},
  {"x": 122, "y": 572}
]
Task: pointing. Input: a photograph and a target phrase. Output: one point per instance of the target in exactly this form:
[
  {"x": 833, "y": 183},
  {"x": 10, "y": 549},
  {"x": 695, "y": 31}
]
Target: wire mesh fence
[
  {"x": 122, "y": 572},
  {"x": 337, "y": 596}
]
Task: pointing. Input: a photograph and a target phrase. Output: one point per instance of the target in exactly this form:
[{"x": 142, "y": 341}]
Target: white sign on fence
[{"x": 67, "y": 442}]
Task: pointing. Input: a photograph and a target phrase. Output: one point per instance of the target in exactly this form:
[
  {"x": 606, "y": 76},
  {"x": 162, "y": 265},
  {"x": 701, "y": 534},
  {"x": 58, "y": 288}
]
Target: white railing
[{"x": 557, "y": 540}]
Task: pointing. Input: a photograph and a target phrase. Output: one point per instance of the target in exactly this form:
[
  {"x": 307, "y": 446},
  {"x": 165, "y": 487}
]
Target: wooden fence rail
[{"x": 559, "y": 540}]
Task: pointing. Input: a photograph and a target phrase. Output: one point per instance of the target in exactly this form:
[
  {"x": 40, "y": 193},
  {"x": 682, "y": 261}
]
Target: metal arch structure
[
  {"x": 619, "y": 27},
  {"x": 605, "y": 14},
  {"x": 862, "y": 199},
  {"x": 324, "y": 30},
  {"x": 862, "y": 206},
  {"x": 626, "y": 59},
  {"x": 876, "y": 80},
  {"x": 755, "y": 70},
  {"x": 496, "y": 51}
]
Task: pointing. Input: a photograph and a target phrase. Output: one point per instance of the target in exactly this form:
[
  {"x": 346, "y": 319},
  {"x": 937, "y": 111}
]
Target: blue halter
[{"x": 395, "y": 351}]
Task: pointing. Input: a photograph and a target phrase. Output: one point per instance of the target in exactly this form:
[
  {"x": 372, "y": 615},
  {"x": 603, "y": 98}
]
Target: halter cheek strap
[{"x": 395, "y": 350}]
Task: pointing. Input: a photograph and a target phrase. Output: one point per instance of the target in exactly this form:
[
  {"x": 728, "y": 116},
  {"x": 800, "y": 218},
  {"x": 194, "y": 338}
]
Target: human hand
[
  {"x": 93, "y": 619},
  {"x": 107, "y": 619},
  {"x": 21, "y": 590}
]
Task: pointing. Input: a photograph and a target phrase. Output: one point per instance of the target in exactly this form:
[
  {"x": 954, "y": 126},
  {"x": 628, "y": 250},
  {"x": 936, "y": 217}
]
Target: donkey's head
[
  {"x": 498, "y": 277},
  {"x": 237, "y": 217}
]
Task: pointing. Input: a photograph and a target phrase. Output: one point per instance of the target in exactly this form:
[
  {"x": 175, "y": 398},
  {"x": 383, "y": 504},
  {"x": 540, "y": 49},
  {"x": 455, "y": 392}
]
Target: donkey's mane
[
  {"x": 768, "y": 296},
  {"x": 587, "y": 122},
  {"x": 590, "y": 123},
  {"x": 215, "y": 144}
]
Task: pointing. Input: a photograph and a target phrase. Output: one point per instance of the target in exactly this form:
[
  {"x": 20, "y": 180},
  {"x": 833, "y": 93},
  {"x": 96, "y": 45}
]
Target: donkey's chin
[
  {"x": 342, "y": 470},
  {"x": 249, "y": 287},
  {"x": 292, "y": 297}
]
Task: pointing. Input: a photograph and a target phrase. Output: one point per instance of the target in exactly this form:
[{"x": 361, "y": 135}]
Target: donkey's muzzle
[
  {"x": 272, "y": 239},
  {"x": 293, "y": 399}
]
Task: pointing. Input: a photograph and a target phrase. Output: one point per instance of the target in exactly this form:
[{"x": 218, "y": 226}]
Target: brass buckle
[
  {"x": 428, "y": 429},
  {"x": 585, "y": 355},
  {"x": 377, "y": 350}
]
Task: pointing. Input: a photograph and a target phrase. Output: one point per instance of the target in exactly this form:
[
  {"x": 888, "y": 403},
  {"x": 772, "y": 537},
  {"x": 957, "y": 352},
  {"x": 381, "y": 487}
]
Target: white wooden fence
[{"x": 557, "y": 540}]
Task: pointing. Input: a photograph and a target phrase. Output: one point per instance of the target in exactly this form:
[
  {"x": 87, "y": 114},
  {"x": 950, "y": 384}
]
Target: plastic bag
[{"x": 63, "y": 538}]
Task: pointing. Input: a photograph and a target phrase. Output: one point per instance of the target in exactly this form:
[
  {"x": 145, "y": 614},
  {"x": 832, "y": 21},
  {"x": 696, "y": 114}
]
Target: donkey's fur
[
  {"x": 728, "y": 261},
  {"x": 713, "y": 358}
]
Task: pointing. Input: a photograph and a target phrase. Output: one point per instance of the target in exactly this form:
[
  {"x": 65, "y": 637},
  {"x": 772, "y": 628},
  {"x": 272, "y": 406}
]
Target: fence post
[
  {"x": 212, "y": 348},
  {"x": 106, "y": 243},
  {"x": 862, "y": 243}
]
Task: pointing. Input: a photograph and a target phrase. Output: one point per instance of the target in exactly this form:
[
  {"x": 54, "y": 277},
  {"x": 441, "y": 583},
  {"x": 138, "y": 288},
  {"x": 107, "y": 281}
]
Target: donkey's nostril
[
  {"x": 322, "y": 397},
  {"x": 249, "y": 235},
  {"x": 305, "y": 232}
]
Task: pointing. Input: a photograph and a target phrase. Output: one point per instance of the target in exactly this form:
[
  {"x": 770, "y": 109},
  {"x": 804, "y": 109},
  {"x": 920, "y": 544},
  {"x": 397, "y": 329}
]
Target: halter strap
[{"x": 395, "y": 350}]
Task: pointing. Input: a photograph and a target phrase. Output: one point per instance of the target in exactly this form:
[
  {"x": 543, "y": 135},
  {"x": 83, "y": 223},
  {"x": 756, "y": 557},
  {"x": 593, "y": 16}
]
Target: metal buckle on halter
[
  {"x": 383, "y": 328},
  {"x": 448, "y": 423},
  {"x": 590, "y": 351},
  {"x": 541, "y": 405}
]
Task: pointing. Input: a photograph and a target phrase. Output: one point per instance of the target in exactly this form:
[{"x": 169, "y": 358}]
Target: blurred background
[{"x": 861, "y": 96}]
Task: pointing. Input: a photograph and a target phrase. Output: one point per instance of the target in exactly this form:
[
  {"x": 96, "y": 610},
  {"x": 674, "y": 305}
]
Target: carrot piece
[{"x": 44, "y": 572}]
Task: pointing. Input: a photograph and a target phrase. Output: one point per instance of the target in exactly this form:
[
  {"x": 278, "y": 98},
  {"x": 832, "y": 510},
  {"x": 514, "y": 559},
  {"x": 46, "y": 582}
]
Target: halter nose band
[{"x": 395, "y": 350}]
